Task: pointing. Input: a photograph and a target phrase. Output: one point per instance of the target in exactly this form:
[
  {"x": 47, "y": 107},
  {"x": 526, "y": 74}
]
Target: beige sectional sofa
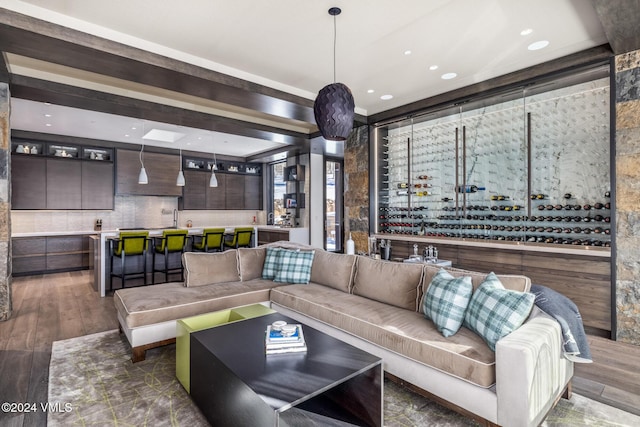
[{"x": 377, "y": 306}]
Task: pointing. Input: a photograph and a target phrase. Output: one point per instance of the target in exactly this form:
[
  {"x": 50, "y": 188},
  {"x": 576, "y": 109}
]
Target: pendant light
[
  {"x": 142, "y": 177},
  {"x": 213, "y": 181},
  {"x": 334, "y": 106},
  {"x": 180, "y": 179}
]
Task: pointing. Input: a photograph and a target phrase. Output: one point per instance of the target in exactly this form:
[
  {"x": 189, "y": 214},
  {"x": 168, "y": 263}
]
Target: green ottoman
[{"x": 204, "y": 321}]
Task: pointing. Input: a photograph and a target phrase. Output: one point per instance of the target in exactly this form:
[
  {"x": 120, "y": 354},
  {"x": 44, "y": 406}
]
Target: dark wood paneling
[
  {"x": 162, "y": 170},
  {"x": 97, "y": 185},
  {"x": 60, "y": 244},
  {"x": 194, "y": 193},
  {"x": 234, "y": 192},
  {"x": 585, "y": 279},
  {"x": 28, "y": 264},
  {"x": 64, "y": 184},
  {"x": 268, "y": 236},
  {"x": 65, "y": 262},
  {"x": 28, "y": 246},
  {"x": 28, "y": 182},
  {"x": 216, "y": 196}
]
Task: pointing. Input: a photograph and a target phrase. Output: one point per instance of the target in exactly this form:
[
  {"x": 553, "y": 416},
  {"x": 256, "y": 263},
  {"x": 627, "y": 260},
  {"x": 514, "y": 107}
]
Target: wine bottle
[
  {"x": 403, "y": 185},
  {"x": 568, "y": 195},
  {"x": 468, "y": 189},
  {"x": 424, "y": 177},
  {"x": 446, "y": 199},
  {"x": 499, "y": 197}
]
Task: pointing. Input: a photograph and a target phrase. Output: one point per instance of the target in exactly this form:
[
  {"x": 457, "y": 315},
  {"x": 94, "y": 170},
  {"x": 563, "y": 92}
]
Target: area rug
[{"x": 94, "y": 383}]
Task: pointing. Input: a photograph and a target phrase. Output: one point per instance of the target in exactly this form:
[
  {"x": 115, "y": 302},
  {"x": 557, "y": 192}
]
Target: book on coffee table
[{"x": 278, "y": 342}]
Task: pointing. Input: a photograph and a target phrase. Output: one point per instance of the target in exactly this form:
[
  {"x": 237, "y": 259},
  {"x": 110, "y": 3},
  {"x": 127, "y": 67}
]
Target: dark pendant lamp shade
[{"x": 334, "y": 111}]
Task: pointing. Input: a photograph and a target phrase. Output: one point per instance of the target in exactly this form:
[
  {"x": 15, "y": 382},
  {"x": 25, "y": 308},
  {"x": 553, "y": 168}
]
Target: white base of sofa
[
  {"x": 145, "y": 337},
  {"x": 475, "y": 399}
]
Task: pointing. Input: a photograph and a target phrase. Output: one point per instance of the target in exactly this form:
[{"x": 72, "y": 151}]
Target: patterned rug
[{"x": 95, "y": 384}]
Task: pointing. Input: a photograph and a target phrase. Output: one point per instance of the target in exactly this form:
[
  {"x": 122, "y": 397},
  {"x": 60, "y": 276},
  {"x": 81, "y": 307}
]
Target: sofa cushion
[
  {"x": 406, "y": 332},
  {"x": 271, "y": 263},
  {"x": 390, "y": 282},
  {"x": 334, "y": 270},
  {"x": 209, "y": 268},
  {"x": 294, "y": 266},
  {"x": 171, "y": 301},
  {"x": 446, "y": 301},
  {"x": 495, "y": 312},
  {"x": 510, "y": 281},
  {"x": 250, "y": 262}
]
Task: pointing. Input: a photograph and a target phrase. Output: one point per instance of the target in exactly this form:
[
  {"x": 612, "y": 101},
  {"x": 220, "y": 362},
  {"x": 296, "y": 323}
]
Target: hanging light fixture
[
  {"x": 334, "y": 106},
  {"x": 142, "y": 177},
  {"x": 213, "y": 181},
  {"x": 180, "y": 179}
]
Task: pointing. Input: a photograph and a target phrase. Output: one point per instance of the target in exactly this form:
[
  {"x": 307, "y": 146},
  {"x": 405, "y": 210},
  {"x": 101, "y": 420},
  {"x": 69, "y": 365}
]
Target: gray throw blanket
[{"x": 575, "y": 344}]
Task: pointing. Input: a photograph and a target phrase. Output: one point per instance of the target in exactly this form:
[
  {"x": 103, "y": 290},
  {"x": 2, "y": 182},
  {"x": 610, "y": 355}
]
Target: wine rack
[{"x": 530, "y": 169}]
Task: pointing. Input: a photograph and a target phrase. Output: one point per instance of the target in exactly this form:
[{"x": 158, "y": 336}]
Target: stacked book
[{"x": 287, "y": 339}]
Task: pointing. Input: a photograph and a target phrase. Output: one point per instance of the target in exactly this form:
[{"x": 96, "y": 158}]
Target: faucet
[
  {"x": 175, "y": 218},
  {"x": 270, "y": 214}
]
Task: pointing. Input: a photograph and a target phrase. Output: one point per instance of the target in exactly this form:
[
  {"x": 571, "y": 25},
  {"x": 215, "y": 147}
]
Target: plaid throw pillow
[
  {"x": 295, "y": 266},
  {"x": 494, "y": 312},
  {"x": 271, "y": 263},
  {"x": 446, "y": 301}
]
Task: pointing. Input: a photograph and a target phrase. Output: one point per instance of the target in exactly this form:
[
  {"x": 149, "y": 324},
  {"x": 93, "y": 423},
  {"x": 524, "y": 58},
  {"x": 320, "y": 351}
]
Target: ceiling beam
[
  {"x": 620, "y": 20},
  {"x": 30, "y": 37},
  {"x": 72, "y": 96}
]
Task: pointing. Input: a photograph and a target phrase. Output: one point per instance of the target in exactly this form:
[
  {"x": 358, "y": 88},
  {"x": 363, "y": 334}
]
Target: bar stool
[
  {"x": 242, "y": 237},
  {"x": 211, "y": 240},
  {"x": 172, "y": 241},
  {"x": 129, "y": 244}
]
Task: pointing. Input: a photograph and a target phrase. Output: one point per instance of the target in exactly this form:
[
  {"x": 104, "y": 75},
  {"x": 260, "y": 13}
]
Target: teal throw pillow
[
  {"x": 295, "y": 266},
  {"x": 446, "y": 301},
  {"x": 494, "y": 312},
  {"x": 271, "y": 263}
]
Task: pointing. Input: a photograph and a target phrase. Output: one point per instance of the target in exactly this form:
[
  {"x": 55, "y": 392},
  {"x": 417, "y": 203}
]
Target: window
[{"x": 278, "y": 189}]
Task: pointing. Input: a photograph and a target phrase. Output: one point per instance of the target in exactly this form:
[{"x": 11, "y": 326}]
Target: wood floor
[{"x": 60, "y": 306}]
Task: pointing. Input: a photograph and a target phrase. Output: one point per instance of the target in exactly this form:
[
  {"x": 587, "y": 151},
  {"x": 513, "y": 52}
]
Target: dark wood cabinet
[
  {"x": 234, "y": 192},
  {"x": 50, "y": 254},
  {"x": 216, "y": 196},
  {"x": 162, "y": 170},
  {"x": 194, "y": 193},
  {"x": 252, "y": 192},
  {"x": 28, "y": 182},
  {"x": 97, "y": 185},
  {"x": 269, "y": 236},
  {"x": 64, "y": 184}
]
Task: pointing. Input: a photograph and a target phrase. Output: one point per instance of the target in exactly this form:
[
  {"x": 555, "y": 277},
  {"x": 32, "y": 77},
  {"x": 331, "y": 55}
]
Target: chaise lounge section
[{"x": 377, "y": 306}]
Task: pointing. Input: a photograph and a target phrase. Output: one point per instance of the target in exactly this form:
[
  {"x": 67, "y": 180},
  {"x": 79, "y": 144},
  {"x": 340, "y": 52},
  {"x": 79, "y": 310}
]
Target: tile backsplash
[{"x": 128, "y": 212}]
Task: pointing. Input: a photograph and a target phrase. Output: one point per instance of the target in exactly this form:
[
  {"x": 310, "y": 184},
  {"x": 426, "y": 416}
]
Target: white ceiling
[{"x": 288, "y": 44}]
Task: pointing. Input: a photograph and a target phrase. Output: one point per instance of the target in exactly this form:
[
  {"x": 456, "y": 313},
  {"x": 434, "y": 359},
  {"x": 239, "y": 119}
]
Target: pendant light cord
[
  {"x": 141, "y": 150},
  {"x": 335, "y": 37}
]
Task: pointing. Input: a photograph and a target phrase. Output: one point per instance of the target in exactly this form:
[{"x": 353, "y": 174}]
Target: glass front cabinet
[{"x": 531, "y": 165}]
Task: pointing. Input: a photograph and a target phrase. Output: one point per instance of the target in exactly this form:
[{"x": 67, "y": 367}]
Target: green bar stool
[
  {"x": 172, "y": 241},
  {"x": 212, "y": 240},
  {"x": 129, "y": 244},
  {"x": 242, "y": 237}
]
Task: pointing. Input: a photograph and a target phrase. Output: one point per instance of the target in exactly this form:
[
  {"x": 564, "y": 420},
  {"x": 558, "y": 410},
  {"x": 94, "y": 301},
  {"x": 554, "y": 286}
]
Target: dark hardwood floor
[{"x": 60, "y": 306}]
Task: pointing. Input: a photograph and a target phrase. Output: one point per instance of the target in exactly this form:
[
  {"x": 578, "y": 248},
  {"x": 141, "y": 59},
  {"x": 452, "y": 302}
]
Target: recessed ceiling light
[
  {"x": 47, "y": 103},
  {"x": 370, "y": 91},
  {"x": 133, "y": 128},
  {"x": 526, "y": 32},
  {"x": 47, "y": 115},
  {"x": 448, "y": 76},
  {"x": 407, "y": 52},
  {"x": 126, "y": 135},
  {"x": 433, "y": 67},
  {"x": 538, "y": 45},
  {"x": 48, "y": 124},
  {"x": 386, "y": 97}
]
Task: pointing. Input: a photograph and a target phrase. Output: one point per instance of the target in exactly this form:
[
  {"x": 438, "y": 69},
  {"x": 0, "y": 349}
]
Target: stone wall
[
  {"x": 627, "y": 108},
  {"x": 5, "y": 205},
  {"x": 356, "y": 187}
]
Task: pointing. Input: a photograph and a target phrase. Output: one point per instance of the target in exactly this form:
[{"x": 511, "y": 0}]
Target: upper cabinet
[
  {"x": 162, "y": 170},
  {"x": 56, "y": 176}
]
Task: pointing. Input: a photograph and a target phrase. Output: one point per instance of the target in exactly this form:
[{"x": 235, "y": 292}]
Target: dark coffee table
[{"x": 235, "y": 384}]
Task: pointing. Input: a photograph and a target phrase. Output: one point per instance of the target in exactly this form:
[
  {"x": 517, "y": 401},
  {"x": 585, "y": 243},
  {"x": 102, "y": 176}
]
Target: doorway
[{"x": 333, "y": 204}]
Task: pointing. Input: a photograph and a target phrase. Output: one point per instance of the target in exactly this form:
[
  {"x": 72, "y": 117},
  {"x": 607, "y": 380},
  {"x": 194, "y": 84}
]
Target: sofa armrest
[{"x": 531, "y": 372}]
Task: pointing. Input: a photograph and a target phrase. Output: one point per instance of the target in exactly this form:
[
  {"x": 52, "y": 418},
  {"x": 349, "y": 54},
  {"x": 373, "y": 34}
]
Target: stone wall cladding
[
  {"x": 356, "y": 187},
  {"x": 627, "y": 108},
  {"x": 5, "y": 205}
]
